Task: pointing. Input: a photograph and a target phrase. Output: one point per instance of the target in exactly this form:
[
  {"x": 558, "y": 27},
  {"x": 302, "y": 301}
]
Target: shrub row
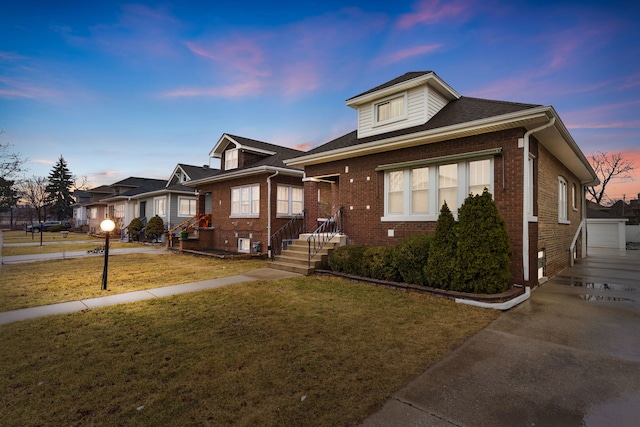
[{"x": 470, "y": 255}]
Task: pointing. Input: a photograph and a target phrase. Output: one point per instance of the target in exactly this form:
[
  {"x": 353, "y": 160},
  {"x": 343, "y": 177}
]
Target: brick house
[
  {"x": 252, "y": 196},
  {"x": 418, "y": 143}
]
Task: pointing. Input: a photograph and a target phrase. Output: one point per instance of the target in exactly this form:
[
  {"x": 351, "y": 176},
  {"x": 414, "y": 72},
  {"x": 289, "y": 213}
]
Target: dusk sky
[{"x": 132, "y": 89}]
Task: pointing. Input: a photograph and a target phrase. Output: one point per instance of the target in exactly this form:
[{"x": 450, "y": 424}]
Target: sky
[{"x": 123, "y": 89}]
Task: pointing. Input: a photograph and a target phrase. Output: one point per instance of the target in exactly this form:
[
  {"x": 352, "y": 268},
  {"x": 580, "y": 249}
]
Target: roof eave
[{"x": 243, "y": 173}]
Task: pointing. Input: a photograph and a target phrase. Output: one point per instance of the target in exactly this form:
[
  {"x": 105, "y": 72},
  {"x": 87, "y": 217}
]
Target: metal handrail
[
  {"x": 290, "y": 231},
  {"x": 323, "y": 234}
]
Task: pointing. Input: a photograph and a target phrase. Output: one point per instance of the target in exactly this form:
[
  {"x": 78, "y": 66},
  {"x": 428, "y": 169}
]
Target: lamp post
[{"x": 107, "y": 226}]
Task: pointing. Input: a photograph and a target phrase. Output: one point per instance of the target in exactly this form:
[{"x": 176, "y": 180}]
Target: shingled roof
[{"x": 463, "y": 110}]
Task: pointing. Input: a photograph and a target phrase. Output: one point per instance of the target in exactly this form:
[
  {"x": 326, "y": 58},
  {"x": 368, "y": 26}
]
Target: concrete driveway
[{"x": 570, "y": 356}]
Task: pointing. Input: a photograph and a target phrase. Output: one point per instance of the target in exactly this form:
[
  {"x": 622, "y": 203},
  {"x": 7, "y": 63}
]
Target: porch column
[{"x": 311, "y": 205}]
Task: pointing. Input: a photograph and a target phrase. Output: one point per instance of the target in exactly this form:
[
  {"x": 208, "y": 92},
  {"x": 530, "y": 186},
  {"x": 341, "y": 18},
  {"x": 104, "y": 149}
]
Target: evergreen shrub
[
  {"x": 378, "y": 263},
  {"x": 441, "y": 265},
  {"x": 155, "y": 228},
  {"x": 483, "y": 250},
  {"x": 348, "y": 259},
  {"x": 134, "y": 228},
  {"x": 410, "y": 257}
]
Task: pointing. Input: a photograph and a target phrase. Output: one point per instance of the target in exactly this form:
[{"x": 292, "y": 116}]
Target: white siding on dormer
[
  {"x": 416, "y": 114},
  {"x": 435, "y": 103}
]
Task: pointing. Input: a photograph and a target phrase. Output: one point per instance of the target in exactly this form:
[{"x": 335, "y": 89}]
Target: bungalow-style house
[
  {"x": 252, "y": 196},
  {"x": 419, "y": 143},
  {"x": 96, "y": 208},
  {"x": 121, "y": 205},
  {"x": 172, "y": 201},
  {"x": 80, "y": 213}
]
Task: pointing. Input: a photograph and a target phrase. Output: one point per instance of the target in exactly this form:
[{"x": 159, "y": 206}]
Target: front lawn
[
  {"x": 308, "y": 351},
  {"x": 48, "y": 282}
]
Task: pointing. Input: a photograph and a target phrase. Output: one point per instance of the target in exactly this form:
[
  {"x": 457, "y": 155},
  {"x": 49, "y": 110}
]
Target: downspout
[
  {"x": 525, "y": 196},
  {"x": 269, "y": 212}
]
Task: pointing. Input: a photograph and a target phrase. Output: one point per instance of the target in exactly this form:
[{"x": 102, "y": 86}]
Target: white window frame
[
  {"x": 288, "y": 200},
  {"x": 392, "y": 119},
  {"x": 433, "y": 191},
  {"x": 252, "y": 203},
  {"x": 190, "y": 212},
  {"x": 563, "y": 201},
  {"x": 160, "y": 206},
  {"x": 242, "y": 241},
  {"x": 231, "y": 159},
  {"x": 118, "y": 210},
  {"x": 574, "y": 197},
  {"x": 93, "y": 213}
]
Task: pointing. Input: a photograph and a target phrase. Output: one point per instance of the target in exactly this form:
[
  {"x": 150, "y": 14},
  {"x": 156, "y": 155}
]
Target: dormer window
[
  {"x": 390, "y": 110},
  {"x": 231, "y": 159}
]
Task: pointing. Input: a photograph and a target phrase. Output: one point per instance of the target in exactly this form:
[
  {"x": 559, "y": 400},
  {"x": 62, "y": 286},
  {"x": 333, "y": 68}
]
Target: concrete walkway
[
  {"x": 72, "y": 306},
  {"x": 570, "y": 356},
  {"x": 16, "y": 259}
]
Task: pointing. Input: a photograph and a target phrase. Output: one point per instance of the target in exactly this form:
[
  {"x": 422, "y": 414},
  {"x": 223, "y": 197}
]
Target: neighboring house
[
  {"x": 122, "y": 206},
  {"x": 80, "y": 213},
  {"x": 96, "y": 208},
  {"x": 252, "y": 196},
  {"x": 419, "y": 143},
  {"x": 173, "y": 201}
]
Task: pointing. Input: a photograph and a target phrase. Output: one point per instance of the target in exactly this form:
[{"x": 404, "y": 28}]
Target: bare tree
[
  {"x": 10, "y": 162},
  {"x": 608, "y": 166},
  {"x": 34, "y": 193}
]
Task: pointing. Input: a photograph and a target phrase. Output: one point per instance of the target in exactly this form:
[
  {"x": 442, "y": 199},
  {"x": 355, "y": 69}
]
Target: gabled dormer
[
  {"x": 236, "y": 152},
  {"x": 185, "y": 173},
  {"x": 406, "y": 101}
]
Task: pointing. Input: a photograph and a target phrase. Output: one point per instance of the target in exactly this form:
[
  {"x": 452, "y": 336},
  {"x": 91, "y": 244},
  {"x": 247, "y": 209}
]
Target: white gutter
[
  {"x": 525, "y": 196},
  {"x": 498, "y": 305},
  {"x": 269, "y": 212},
  {"x": 243, "y": 173}
]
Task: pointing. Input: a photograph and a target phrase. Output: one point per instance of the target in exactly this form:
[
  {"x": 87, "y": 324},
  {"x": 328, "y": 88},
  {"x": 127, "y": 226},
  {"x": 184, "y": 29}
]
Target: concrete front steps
[{"x": 296, "y": 257}]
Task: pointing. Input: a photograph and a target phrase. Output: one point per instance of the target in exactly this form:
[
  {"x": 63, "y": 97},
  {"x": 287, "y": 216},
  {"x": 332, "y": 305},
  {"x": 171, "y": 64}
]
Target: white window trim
[
  {"x": 289, "y": 212},
  {"x": 232, "y": 163},
  {"x": 574, "y": 197},
  {"x": 155, "y": 206},
  {"x": 434, "y": 207},
  {"x": 563, "y": 202},
  {"x": 401, "y": 117},
  {"x": 191, "y": 199},
  {"x": 251, "y": 214},
  {"x": 240, "y": 240}
]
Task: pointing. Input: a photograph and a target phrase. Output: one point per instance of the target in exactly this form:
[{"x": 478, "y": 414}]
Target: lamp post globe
[{"x": 107, "y": 226}]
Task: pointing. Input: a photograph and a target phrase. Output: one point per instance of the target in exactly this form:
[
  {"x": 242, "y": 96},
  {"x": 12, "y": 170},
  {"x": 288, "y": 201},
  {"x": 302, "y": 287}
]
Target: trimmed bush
[
  {"x": 483, "y": 251},
  {"x": 410, "y": 257},
  {"x": 348, "y": 259},
  {"x": 441, "y": 265},
  {"x": 378, "y": 263},
  {"x": 155, "y": 228},
  {"x": 134, "y": 228}
]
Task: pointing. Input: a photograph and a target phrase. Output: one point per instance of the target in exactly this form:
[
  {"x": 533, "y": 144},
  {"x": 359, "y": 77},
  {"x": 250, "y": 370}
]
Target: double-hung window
[
  {"x": 231, "y": 159},
  {"x": 390, "y": 110},
  {"x": 416, "y": 193},
  {"x": 186, "y": 206},
  {"x": 289, "y": 200},
  {"x": 160, "y": 206},
  {"x": 245, "y": 201},
  {"x": 563, "y": 201}
]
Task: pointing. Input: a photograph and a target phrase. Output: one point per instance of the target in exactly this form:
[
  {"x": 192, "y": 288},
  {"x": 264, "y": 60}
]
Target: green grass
[
  {"x": 47, "y": 282},
  {"x": 62, "y": 247},
  {"x": 308, "y": 351}
]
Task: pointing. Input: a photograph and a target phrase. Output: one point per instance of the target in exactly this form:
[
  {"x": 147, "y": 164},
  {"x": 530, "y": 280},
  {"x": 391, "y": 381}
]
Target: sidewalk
[{"x": 72, "y": 306}]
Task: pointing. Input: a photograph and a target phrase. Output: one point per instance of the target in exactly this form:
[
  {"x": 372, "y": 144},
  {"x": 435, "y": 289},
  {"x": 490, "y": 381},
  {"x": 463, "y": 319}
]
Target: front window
[
  {"x": 448, "y": 186},
  {"x": 563, "y": 215},
  {"x": 289, "y": 200},
  {"x": 231, "y": 159},
  {"x": 118, "y": 211},
  {"x": 390, "y": 109},
  {"x": 417, "y": 194},
  {"x": 245, "y": 201},
  {"x": 186, "y": 206},
  {"x": 93, "y": 213},
  {"x": 160, "y": 206}
]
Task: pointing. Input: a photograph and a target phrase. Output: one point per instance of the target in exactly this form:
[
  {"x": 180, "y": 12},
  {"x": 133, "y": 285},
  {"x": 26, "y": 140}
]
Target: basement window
[{"x": 244, "y": 245}]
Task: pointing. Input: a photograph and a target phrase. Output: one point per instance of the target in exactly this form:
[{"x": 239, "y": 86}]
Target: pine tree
[
  {"x": 59, "y": 190},
  {"x": 155, "y": 228},
  {"x": 483, "y": 251},
  {"x": 8, "y": 194},
  {"x": 441, "y": 266}
]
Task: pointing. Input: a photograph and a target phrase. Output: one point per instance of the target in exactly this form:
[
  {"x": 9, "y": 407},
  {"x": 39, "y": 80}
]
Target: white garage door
[{"x": 603, "y": 235}]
